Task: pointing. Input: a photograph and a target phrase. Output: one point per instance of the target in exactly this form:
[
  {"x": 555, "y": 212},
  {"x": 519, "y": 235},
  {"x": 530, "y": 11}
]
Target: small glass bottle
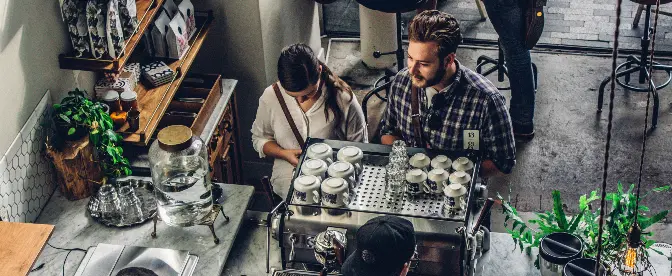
[
  {"x": 180, "y": 172},
  {"x": 129, "y": 99},
  {"x": 111, "y": 98}
]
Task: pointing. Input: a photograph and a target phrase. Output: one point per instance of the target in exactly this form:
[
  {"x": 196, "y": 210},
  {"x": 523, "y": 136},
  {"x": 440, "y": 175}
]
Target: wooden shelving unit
[
  {"x": 147, "y": 9},
  {"x": 153, "y": 102}
]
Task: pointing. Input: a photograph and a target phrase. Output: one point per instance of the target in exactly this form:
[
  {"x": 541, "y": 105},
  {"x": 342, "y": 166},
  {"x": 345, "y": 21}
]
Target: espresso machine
[{"x": 319, "y": 238}]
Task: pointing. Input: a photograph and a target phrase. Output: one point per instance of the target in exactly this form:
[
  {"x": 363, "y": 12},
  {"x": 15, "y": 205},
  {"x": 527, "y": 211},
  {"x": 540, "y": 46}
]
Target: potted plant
[
  {"x": 71, "y": 116},
  {"x": 584, "y": 224},
  {"x": 77, "y": 116}
]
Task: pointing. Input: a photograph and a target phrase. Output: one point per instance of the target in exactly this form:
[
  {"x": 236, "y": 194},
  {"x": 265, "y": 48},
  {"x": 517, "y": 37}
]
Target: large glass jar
[{"x": 179, "y": 166}]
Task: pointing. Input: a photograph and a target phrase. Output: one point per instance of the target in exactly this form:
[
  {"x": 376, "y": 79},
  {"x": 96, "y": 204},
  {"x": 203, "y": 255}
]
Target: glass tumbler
[
  {"x": 129, "y": 205},
  {"x": 399, "y": 148},
  {"x": 109, "y": 202},
  {"x": 394, "y": 180}
]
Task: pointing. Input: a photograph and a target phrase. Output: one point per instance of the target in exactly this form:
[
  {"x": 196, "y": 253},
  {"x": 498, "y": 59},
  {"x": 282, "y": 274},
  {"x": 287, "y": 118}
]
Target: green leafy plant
[
  {"x": 77, "y": 116},
  {"x": 585, "y": 223}
]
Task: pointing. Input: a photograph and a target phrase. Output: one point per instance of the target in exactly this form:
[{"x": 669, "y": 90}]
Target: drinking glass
[
  {"x": 394, "y": 180},
  {"x": 399, "y": 148},
  {"x": 130, "y": 206},
  {"x": 109, "y": 202}
]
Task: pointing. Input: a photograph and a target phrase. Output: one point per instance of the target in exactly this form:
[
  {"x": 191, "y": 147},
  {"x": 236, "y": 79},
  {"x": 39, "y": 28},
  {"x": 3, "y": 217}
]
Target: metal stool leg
[
  {"x": 638, "y": 15},
  {"x": 656, "y": 106},
  {"x": 600, "y": 97},
  {"x": 481, "y": 10},
  {"x": 656, "y": 102}
]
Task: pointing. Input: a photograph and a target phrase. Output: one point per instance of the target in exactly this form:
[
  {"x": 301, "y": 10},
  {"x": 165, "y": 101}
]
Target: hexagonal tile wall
[{"x": 27, "y": 177}]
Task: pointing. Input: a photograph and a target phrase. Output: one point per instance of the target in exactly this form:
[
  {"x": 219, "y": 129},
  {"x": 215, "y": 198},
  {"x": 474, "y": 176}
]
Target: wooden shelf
[
  {"x": 153, "y": 102},
  {"x": 147, "y": 9}
]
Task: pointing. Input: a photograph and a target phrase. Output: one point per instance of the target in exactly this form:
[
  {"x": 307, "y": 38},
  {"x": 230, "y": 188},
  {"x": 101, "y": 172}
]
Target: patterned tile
[{"x": 27, "y": 178}]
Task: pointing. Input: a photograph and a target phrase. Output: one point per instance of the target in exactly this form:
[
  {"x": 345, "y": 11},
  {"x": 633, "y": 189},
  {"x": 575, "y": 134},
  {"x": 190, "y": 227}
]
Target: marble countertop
[{"x": 75, "y": 229}]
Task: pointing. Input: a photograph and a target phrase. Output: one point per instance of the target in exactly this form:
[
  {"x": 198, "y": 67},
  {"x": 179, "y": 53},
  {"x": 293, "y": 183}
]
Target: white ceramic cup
[
  {"x": 352, "y": 155},
  {"x": 437, "y": 179},
  {"x": 314, "y": 167},
  {"x": 454, "y": 197},
  {"x": 442, "y": 162},
  {"x": 335, "y": 192},
  {"x": 321, "y": 151},
  {"x": 307, "y": 189},
  {"x": 460, "y": 177},
  {"x": 416, "y": 181},
  {"x": 420, "y": 161},
  {"x": 463, "y": 164},
  {"x": 343, "y": 170}
]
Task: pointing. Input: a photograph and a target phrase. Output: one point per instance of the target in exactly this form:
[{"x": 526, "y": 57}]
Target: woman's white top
[{"x": 271, "y": 125}]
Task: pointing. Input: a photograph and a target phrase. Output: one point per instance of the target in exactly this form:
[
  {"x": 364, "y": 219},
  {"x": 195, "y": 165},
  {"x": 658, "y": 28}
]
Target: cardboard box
[
  {"x": 159, "y": 30},
  {"x": 177, "y": 37},
  {"x": 187, "y": 11}
]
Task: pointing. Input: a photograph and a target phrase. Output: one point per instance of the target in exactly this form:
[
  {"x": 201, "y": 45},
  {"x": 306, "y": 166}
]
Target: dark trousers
[{"x": 508, "y": 20}]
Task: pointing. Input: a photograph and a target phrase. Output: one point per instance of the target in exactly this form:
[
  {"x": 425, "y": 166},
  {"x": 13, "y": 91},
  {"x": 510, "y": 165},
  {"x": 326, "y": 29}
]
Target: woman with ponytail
[{"x": 317, "y": 102}]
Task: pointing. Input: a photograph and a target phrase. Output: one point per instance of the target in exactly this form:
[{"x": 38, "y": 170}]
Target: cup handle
[
  {"x": 316, "y": 197},
  {"x": 346, "y": 198},
  {"x": 329, "y": 160},
  {"x": 426, "y": 187},
  {"x": 358, "y": 167},
  {"x": 319, "y": 178}
]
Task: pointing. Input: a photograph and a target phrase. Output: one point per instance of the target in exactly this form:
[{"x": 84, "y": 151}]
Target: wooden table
[{"x": 20, "y": 244}]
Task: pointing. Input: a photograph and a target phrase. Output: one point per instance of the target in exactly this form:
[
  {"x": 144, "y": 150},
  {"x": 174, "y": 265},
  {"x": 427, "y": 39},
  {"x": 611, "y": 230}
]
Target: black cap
[{"x": 384, "y": 244}]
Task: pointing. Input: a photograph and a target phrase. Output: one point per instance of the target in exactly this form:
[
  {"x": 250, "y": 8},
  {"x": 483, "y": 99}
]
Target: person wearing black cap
[{"x": 385, "y": 246}]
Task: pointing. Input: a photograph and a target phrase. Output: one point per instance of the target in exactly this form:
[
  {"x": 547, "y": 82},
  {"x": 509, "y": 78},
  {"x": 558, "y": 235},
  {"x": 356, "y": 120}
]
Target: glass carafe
[{"x": 180, "y": 171}]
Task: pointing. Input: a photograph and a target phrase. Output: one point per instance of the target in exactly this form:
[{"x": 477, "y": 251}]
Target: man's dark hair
[{"x": 439, "y": 27}]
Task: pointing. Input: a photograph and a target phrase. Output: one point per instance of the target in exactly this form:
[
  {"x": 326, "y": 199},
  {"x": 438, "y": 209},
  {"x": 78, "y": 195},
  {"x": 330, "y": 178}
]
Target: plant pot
[
  {"x": 580, "y": 266},
  {"x": 555, "y": 250},
  {"x": 62, "y": 129}
]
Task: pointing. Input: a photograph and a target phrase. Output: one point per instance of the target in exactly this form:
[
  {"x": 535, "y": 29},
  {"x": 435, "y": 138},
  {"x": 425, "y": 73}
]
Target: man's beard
[{"x": 421, "y": 82}]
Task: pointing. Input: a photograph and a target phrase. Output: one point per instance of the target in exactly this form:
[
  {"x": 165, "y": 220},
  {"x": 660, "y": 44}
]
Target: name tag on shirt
[{"x": 471, "y": 139}]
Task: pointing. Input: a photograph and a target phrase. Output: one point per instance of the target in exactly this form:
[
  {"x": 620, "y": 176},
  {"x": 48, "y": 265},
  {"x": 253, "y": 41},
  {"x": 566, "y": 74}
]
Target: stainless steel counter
[{"x": 75, "y": 229}]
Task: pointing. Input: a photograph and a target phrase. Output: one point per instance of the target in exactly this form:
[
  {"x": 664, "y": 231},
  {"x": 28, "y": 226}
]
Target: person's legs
[{"x": 507, "y": 19}]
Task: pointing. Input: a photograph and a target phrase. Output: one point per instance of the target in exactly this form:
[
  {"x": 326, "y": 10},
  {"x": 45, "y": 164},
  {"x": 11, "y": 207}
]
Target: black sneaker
[{"x": 523, "y": 133}]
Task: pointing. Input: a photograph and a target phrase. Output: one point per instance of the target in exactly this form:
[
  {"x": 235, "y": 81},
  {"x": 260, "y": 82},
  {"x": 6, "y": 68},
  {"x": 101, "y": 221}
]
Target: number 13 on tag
[{"x": 471, "y": 139}]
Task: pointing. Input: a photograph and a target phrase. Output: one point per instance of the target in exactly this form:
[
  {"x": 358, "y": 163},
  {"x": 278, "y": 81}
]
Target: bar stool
[
  {"x": 397, "y": 7},
  {"x": 499, "y": 65},
  {"x": 640, "y": 64}
]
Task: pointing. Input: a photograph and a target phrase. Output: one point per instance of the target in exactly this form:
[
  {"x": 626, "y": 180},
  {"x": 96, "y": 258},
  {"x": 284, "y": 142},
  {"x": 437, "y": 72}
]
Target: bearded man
[{"x": 438, "y": 103}]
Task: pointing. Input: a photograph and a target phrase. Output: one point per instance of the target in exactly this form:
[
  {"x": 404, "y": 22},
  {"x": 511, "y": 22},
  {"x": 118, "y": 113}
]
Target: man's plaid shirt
[{"x": 472, "y": 103}]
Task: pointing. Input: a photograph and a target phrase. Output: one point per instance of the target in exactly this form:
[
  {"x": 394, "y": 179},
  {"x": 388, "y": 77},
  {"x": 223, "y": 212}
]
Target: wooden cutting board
[{"x": 20, "y": 244}]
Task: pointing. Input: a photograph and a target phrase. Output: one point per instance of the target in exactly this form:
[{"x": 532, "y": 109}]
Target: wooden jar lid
[{"x": 175, "y": 138}]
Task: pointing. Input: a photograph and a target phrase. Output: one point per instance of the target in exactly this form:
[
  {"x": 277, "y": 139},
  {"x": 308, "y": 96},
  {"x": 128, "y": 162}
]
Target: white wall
[
  {"x": 245, "y": 44},
  {"x": 31, "y": 37},
  {"x": 285, "y": 22}
]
